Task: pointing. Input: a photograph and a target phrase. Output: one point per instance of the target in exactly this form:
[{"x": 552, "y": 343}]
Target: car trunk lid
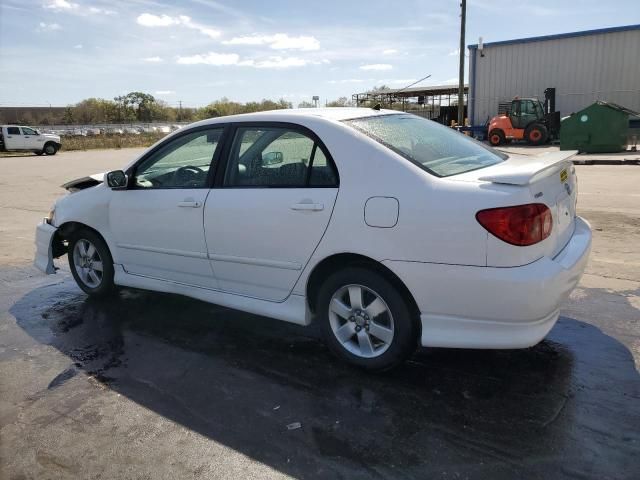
[{"x": 549, "y": 179}]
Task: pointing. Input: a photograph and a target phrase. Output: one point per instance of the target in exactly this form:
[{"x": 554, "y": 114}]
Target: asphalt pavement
[{"x": 148, "y": 385}]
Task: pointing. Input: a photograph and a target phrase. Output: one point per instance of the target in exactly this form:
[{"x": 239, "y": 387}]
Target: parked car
[
  {"x": 387, "y": 229},
  {"x": 17, "y": 138}
]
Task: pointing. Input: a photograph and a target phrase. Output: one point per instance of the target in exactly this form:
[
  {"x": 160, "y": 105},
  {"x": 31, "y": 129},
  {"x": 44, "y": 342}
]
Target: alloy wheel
[
  {"x": 361, "y": 321},
  {"x": 87, "y": 263}
]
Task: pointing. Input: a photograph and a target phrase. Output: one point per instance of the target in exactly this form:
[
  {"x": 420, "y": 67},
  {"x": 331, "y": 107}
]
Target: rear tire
[
  {"x": 91, "y": 263},
  {"x": 496, "y": 137},
  {"x": 50, "y": 148},
  {"x": 536, "y": 134},
  {"x": 365, "y": 319}
]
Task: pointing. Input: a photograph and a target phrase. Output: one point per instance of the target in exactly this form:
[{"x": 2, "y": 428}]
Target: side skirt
[{"x": 293, "y": 309}]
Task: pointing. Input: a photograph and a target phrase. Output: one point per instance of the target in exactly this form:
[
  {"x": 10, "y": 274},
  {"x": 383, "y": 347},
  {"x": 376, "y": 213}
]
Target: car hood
[
  {"x": 52, "y": 136},
  {"x": 84, "y": 182}
]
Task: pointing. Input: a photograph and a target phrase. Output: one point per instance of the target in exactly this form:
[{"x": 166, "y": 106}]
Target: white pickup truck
[{"x": 15, "y": 138}]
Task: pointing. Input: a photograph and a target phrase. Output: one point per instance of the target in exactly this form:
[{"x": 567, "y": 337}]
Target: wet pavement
[
  {"x": 567, "y": 408},
  {"x": 151, "y": 386}
]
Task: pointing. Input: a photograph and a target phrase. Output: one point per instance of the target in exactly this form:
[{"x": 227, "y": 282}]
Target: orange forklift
[{"x": 527, "y": 119}]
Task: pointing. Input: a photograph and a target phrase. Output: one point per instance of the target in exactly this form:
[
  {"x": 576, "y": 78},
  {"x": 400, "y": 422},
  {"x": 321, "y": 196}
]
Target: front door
[
  {"x": 523, "y": 113},
  {"x": 271, "y": 211},
  {"x": 32, "y": 139},
  {"x": 158, "y": 221}
]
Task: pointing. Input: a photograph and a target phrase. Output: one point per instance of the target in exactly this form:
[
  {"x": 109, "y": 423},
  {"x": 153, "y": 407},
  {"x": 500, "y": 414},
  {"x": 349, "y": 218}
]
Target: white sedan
[{"x": 388, "y": 229}]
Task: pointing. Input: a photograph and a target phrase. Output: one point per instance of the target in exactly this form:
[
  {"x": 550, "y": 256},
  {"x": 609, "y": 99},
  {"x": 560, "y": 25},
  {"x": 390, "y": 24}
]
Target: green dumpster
[{"x": 599, "y": 128}]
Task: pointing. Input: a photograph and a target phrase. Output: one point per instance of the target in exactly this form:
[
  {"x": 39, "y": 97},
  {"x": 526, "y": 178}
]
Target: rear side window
[
  {"x": 435, "y": 148},
  {"x": 277, "y": 157},
  {"x": 13, "y": 131}
]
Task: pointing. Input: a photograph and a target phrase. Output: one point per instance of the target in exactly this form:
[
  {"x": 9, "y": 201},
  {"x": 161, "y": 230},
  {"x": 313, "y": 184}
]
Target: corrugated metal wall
[{"x": 583, "y": 69}]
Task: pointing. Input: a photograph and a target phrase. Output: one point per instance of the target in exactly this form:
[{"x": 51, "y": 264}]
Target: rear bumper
[
  {"x": 44, "y": 248},
  {"x": 485, "y": 307}
]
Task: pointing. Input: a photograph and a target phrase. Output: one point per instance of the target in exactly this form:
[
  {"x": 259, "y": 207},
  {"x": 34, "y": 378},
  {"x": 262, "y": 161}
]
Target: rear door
[
  {"x": 271, "y": 209},
  {"x": 13, "y": 138}
]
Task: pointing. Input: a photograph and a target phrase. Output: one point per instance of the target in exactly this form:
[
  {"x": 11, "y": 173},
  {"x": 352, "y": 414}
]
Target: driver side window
[{"x": 183, "y": 162}]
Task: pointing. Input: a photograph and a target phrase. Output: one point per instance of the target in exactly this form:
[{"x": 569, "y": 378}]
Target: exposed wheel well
[
  {"x": 342, "y": 260},
  {"x": 65, "y": 232}
]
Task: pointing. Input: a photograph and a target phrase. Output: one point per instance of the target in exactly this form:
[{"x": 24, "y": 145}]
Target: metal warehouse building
[{"x": 582, "y": 66}]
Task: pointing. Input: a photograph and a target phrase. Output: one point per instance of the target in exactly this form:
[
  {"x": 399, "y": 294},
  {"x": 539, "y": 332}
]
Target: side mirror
[
  {"x": 272, "y": 158},
  {"x": 117, "y": 180}
]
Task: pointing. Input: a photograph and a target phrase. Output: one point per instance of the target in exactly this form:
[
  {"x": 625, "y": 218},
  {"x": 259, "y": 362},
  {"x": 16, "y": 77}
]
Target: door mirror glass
[
  {"x": 272, "y": 158},
  {"x": 117, "y": 180}
]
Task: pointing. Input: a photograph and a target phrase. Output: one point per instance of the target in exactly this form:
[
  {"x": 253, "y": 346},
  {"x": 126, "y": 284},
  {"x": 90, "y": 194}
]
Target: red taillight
[{"x": 520, "y": 225}]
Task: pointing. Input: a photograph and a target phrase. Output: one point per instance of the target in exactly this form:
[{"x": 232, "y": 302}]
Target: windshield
[{"x": 437, "y": 149}]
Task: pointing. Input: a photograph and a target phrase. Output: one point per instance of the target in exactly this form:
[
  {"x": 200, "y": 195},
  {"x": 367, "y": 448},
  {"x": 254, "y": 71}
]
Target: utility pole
[
  {"x": 180, "y": 111},
  {"x": 463, "y": 19}
]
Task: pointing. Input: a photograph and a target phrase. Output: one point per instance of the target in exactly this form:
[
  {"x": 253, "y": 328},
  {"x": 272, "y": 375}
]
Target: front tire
[
  {"x": 366, "y": 320},
  {"x": 50, "y": 148},
  {"x": 91, "y": 263}
]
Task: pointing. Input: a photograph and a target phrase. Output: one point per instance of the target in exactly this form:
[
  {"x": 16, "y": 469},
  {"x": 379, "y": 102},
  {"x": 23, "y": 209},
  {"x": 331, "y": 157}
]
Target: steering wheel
[{"x": 186, "y": 174}]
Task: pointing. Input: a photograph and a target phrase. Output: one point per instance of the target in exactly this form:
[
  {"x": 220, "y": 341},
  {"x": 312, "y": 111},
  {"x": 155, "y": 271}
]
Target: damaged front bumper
[{"x": 45, "y": 234}]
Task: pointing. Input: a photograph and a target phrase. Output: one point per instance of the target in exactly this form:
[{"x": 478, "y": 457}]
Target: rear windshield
[{"x": 435, "y": 148}]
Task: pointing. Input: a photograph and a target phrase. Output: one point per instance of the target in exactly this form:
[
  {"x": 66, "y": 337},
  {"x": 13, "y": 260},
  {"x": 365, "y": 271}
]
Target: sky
[{"x": 59, "y": 52}]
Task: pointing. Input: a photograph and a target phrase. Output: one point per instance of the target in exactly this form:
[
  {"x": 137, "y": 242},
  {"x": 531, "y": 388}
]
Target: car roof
[{"x": 297, "y": 114}]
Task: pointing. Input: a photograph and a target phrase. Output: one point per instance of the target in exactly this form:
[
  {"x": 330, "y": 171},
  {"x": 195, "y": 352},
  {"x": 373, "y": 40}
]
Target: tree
[
  {"x": 305, "y": 104},
  {"x": 340, "y": 102},
  {"x": 67, "y": 118},
  {"x": 142, "y": 104}
]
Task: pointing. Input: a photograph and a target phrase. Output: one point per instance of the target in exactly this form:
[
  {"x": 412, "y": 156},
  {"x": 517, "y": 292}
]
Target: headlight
[{"x": 52, "y": 214}]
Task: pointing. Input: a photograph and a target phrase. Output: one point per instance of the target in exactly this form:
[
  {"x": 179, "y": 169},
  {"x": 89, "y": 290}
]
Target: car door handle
[
  {"x": 189, "y": 204},
  {"x": 313, "y": 207}
]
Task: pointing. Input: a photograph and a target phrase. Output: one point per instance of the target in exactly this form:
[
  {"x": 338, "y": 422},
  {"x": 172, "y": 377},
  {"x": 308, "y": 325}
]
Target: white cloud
[
  {"x": 279, "y": 62},
  {"x": 278, "y": 41},
  {"x": 226, "y": 59},
  {"x": 152, "y": 21},
  {"x": 164, "y": 92},
  {"x": 454, "y": 53},
  {"x": 211, "y": 58},
  {"x": 153, "y": 59},
  {"x": 389, "y": 51},
  {"x": 377, "y": 66},
  {"x": 76, "y": 9},
  {"x": 101, "y": 11},
  {"x": 61, "y": 5},
  {"x": 78, "y": 46},
  {"x": 48, "y": 27}
]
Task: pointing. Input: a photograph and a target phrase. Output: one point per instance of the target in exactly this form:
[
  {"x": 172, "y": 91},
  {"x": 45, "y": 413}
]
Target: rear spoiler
[{"x": 523, "y": 170}]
